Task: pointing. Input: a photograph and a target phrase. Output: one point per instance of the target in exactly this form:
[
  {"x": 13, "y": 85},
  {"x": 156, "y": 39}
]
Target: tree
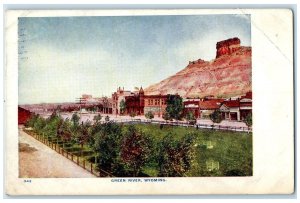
[
  {"x": 83, "y": 135},
  {"x": 30, "y": 122},
  {"x": 65, "y": 131},
  {"x": 52, "y": 125},
  {"x": 135, "y": 150},
  {"x": 38, "y": 124},
  {"x": 132, "y": 114},
  {"x": 174, "y": 106},
  {"x": 190, "y": 117},
  {"x": 75, "y": 128},
  {"x": 97, "y": 118},
  {"x": 58, "y": 110},
  {"x": 166, "y": 116},
  {"x": 59, "y": 130},
  {"x": 106, "y": 118},
  {"x": 175, "y": 156},
  {"x": 107, "y": 141},
  {"x": 216, "y": 116},
  {"x": 248, "y": 120},
  {"x": 149, "y": 115},
  {"x": 75, "y": 119},
  {"x": 122, "y": 106}
]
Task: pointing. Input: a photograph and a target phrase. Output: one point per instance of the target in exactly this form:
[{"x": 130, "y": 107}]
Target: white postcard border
[{"x": 273, "y": 121}]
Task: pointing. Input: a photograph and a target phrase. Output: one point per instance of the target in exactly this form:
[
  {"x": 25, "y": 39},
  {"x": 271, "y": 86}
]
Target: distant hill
[{"x": 229, "y": 74}]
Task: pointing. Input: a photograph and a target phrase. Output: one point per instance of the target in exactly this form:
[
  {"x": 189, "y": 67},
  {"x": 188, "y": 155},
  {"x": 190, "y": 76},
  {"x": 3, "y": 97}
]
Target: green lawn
[{"x": 218, "y": 153}]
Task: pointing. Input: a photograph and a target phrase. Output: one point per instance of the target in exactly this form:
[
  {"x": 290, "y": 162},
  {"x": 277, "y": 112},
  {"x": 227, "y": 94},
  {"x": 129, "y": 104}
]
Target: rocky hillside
[{"x": 229, "y": 74}]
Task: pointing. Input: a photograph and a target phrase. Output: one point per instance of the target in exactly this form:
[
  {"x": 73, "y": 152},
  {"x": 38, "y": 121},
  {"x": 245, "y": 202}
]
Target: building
[
  {"x": 208, "y": 106},
  {"x": 230, "y": 110},
  {"x": 191, "y": 105},
  {"x": 87, "y": 96},
  {"x": 246, "y": 105},
  {"x": 135, "y": 102},
  {"x": 202, "y": 108},
  {"x": 107, "y": 104},
  {"x": 117, "y": 97},
  {"x": 140, "y": 104},
  {"x": 237, "y": 109},
  {"x": 88, "y": 103},
  {"x": 23, "y": 115},
  {"x": 157, "y": 104}
]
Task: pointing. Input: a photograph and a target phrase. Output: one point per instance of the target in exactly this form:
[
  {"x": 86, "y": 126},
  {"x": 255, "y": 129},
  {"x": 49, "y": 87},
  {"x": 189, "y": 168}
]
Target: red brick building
[
  {"x": 140, "y": 104},
  {"x": 202, "y": 108},
  {"x": 135, "y": 103},
  {"x": 208, "y": 106},
  {"x": 237, "y": 109},
  {"x": 191, "y": 105},
  {"x": 117, "y": 97},
  {"x": 246, "y": 105},
  {"x": 157, "y": 104}
]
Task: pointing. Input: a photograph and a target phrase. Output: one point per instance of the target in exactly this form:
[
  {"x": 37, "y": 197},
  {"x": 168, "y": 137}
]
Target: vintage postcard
[{"x": 149, "y": 102}]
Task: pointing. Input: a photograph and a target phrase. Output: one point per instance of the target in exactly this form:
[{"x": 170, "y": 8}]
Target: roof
[
  {"x": 191, "y": 102},
  {"x": 156, "y": 96},
  {"x": 209, "y": 104},
  {"x": 216, "y": 100},
  {"x": 141, "y": 91},
  {"x": 22, "y": 109},
  {"x": 232, "y": 103}
]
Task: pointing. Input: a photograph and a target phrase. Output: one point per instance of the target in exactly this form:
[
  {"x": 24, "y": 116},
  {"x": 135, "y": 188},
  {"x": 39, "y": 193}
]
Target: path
[{"x": 36, "y": 160}]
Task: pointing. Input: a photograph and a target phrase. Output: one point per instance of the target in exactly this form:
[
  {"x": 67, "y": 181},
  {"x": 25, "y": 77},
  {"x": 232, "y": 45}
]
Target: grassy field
[{"x": 218, "y": 153}]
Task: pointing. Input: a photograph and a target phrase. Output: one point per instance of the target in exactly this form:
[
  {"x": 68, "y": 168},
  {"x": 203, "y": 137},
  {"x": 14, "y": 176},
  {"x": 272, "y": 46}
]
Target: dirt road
[{"x": 36, "y": 160}]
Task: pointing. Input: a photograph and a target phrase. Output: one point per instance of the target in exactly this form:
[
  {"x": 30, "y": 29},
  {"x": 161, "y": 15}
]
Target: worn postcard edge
[{"x": 273, "y": 121}]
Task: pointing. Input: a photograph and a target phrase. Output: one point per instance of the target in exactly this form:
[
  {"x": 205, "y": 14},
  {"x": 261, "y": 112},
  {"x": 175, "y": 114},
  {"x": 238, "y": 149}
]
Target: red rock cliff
[
  {"x": 227, "y": 75},
  {"x": 228, "y": 46}
]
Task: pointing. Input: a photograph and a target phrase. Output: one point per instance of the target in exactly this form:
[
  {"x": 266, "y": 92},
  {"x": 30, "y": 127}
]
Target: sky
[{"x": 61, "y": 58}]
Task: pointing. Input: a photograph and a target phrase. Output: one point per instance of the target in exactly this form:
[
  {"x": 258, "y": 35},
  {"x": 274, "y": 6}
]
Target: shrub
[
  {"x": 97, "y": 118},
  {"x": 149, "y": 115},
  {"x": 248, "y": 120},
  {"x": 166, "y": 116},
  {"x": 190, "y": 117},
  {"x": 216, "y": 116},
  {"x": 132, "y": 114}
]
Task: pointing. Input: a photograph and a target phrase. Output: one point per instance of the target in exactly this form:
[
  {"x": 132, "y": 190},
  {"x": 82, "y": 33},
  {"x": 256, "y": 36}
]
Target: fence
[
  {"x": 181, "y": 123},
  {"x": 185, "y": 124},
  {"x": 80, "y": 161}
]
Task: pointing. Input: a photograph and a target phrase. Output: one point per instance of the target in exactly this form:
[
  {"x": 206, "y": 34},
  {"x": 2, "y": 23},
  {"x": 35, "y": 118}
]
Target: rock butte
[{"x": 229, "y": 74}]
